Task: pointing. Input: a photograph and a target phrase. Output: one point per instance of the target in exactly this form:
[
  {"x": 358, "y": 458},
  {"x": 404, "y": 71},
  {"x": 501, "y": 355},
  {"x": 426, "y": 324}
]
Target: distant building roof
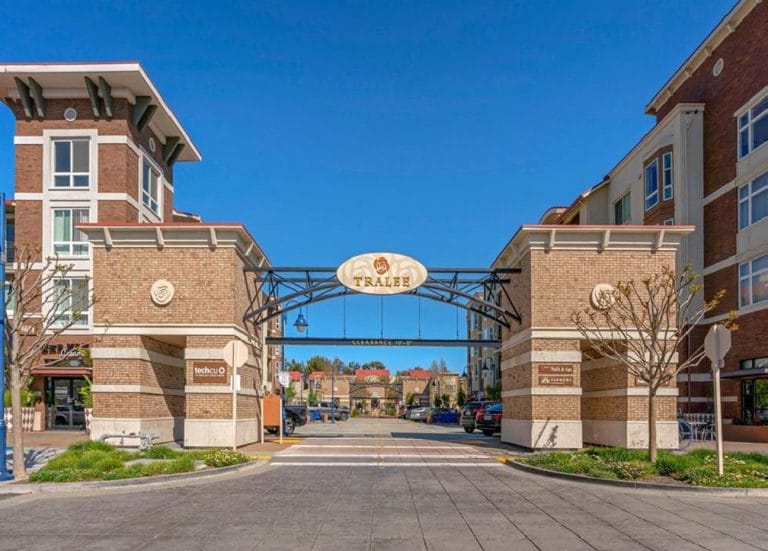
[
  {"x": 362, "y": 374},
  {"x": 417, "y": 373},
  {"x": 295, "y": 375}
]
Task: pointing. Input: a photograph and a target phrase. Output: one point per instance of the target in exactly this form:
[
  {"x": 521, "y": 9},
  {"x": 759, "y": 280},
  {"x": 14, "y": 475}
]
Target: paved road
[{"x": 386, "y": 489}]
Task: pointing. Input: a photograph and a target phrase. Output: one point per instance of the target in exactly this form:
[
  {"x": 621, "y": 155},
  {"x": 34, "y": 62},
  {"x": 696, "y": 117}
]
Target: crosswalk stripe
[
  {"x": 391, "y": 455},
  {"x": 382, "y": 464}
]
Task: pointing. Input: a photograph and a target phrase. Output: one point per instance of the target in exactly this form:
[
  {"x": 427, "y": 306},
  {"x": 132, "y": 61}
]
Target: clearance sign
[{"x": 381, "y": 273}]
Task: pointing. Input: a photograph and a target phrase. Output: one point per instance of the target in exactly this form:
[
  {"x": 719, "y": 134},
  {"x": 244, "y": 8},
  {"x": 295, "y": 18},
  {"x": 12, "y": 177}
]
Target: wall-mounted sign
[
  {"x": 556, "y": 380},
  {"x": 382, "y": 273},
  {"x": 555, "y": 369},
  {"x": 211, "y": 372}
]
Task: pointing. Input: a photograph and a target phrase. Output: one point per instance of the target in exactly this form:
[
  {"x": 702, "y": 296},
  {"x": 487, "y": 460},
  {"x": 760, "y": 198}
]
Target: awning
[
  {"x": 49, "y": 371},
  {"x": 756, "y": 373}
]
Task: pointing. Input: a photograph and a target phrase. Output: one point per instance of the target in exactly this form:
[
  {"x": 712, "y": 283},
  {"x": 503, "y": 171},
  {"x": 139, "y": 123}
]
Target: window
[
  {"x": 10, "y": 298},
  {"x": 753, "y": 128},
  {"x": 71, "y": 163},
  {"x": 669, "y": 222},
  {"x": 150, "y": 188},
  {"x": 753, "y": 281},
  {"x": 754, "y": 401},
  {"x": 622, "y": 210},
  {"x": 68, "y": 240},
  {"x": 70, "y": 301},
  {"x": 651, "y": 184},
  {"x": 754, "y": 363},
  {"x": 666, "y": 178},
  {"x": 753, "y": 201}
]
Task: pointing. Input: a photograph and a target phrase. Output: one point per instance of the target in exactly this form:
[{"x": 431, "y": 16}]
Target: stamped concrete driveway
[{"x": 384, "y": 488}]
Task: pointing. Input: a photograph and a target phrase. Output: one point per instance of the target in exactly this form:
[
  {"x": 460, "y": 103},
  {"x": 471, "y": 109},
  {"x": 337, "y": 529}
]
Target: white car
[{"x": 418, "y": 414}]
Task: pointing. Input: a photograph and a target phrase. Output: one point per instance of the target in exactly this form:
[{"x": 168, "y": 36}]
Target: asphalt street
[{"x": 376, "y": 484}]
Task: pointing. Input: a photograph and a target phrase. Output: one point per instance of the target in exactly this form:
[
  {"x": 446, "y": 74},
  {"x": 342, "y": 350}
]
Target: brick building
[
  {"x": 483, "y": 369},
  {"x": 705, "y": 163},
  {"x": 95, "y": 148}
]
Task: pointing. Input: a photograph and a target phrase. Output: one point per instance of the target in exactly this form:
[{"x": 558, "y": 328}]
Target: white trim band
[
  {"x": 542, "y": 391},
  {"x": 137, "y": 389},
  {"x": 136, "y": 354}
]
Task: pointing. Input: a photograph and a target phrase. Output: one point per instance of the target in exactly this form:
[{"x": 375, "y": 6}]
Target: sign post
[
  {"x": 235, "y": 355},
  {"x": 285, "y": 380},
  {"x": 716, "y": 344}
]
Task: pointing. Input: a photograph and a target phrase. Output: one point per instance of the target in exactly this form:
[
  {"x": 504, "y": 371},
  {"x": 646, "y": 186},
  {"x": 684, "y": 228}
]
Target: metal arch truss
[{"x": 479, "y": 290}]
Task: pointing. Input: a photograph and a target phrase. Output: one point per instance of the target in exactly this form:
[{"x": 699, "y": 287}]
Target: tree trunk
[
  {"x": 652, "y": 451},
  {"x": 19, "y": 470}
]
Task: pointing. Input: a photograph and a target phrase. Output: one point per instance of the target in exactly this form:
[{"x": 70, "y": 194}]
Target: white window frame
[
  {"x": 620, "y": 202},
  {"x": 669, "y": 222},
  {"x": 746, "y": 274},
  {"x": 154, "y": 170},
  {"x": 666, "y": 175},
  {"x": 70, "y": 244},
  {"x": 745, "y": 127},
  {"x": 652, "y": 198},
  {"x": 85, "y": 316},
  {"x": 71, "y": 174},
  {"x": 746, "y": 196}
]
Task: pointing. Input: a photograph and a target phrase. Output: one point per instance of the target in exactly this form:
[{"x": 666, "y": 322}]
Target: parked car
[
  {"x": 469, "y": 412},
  {"x": 340, "y": 413},
  {"x": 489, "y": 420},
  {"x": 418, "y": 414},
  {"x": 404, "y": 411},
  {"x": 294, "y": 416}
]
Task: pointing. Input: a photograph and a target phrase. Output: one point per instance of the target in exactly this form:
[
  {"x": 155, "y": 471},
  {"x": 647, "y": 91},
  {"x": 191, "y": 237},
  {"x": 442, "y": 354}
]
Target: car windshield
[
  {"x": 473, "y": 405},
  {"x": 495, "y": 408}
]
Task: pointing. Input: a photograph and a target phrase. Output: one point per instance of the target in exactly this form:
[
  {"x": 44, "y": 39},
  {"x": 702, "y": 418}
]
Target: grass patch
[
  {"x": 697, "y": 468},
  {"x": 100, "y": 461}
]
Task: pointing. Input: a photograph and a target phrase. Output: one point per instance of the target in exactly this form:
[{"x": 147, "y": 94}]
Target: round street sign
[
  {"x": 284, "y": 378},
  {"x": 235, "y": 353}
]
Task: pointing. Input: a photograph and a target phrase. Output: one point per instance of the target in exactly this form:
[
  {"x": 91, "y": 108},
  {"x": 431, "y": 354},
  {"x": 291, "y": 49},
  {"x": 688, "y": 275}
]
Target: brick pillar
[
  {"x": 138, "y": 386},
  {"x": 209, "y": 396},
  {"x": 615, "y": 407},
  {"x": 542, "y": 407}
]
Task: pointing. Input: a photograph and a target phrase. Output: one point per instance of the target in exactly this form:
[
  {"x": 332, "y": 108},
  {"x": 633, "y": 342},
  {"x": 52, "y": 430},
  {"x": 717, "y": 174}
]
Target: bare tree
[
  {"x": 43, "y": 301},
  {"x": 640, "y": 324}
]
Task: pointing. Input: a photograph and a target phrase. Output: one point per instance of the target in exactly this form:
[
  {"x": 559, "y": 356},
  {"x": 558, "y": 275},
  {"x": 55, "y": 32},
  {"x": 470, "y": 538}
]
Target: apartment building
[
  {"x": 95, "y": 150},
  {"x": 483, "y": 369},
  {"x": 705, "y": 163}
]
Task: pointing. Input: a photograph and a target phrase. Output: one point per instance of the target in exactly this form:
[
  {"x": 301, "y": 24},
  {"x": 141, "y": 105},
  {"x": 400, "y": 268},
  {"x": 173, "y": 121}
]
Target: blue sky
[{"x": 432, "y": 129}]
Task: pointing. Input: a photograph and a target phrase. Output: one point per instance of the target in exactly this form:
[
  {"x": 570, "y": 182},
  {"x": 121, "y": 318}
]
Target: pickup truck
[
  {"x": 340, "y": 413},
  {"x": 294, "y": 416}
]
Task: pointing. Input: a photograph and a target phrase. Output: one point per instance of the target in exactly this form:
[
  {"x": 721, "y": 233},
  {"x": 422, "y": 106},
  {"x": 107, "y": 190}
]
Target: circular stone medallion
[
  {"x": 602, "y": 296},
  {"x": 162, "y": 292}
]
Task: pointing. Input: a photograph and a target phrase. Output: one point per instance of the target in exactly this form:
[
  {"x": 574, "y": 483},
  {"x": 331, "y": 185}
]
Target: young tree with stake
[
  {"x": 47, "y": 301},
  {"x": 639, "y": 325}
]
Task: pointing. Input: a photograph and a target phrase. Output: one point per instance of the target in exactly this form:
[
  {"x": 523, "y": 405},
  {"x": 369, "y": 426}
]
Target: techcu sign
[{"x": 381, "y": 273}]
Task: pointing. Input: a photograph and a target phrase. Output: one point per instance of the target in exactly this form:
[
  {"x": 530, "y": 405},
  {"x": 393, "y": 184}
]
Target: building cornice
[
  {"x": 590, "y": 238},
  {"x": 723, "y": 29},
  {"x": 176, "y": 235},
  {"x": 128, "y": 80}
]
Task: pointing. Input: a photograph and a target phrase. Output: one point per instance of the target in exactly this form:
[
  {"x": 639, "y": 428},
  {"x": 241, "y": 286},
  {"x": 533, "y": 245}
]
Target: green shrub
[
  {"x": 224, "y": 458},
  {"x": 163, "y": 452},
  {"x": 355, "y": 413}
]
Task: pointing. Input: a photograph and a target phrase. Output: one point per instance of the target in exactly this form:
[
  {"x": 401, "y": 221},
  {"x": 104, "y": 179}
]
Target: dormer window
[
  {"x": 71, "y": 163},
  {"x": 150, "y": 187}
]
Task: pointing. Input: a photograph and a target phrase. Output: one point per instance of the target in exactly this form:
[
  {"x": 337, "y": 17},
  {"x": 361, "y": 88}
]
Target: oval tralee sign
[{"x": 381, "y": 273}]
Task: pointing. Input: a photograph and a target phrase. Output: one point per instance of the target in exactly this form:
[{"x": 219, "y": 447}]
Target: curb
[
  {"x": 63, "y": 487},
  {"x": 740, "y": 492}
]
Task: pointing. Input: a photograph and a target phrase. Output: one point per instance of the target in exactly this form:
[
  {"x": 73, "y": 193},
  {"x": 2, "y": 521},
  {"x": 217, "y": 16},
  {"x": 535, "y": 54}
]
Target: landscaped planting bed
[
  {"x": 696, "y": 468},
  {"x": 101, "y": 461}
]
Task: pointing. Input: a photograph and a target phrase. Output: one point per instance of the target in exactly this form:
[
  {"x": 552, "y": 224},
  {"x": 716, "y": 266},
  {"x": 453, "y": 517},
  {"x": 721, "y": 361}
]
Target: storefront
[
  {"x": 59, "y": 384},
  {"x": 752, "y": 425}
]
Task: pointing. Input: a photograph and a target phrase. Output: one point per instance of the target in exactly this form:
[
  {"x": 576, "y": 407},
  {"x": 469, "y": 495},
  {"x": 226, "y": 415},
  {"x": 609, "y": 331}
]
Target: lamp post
[
  {"x": 4, "y": 474},
  {"x": 301, "y": 325}
]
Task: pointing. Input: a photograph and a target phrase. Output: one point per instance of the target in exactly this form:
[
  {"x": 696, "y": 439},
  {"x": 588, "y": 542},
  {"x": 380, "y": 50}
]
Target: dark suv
[
  {"x": 468, "y": 413},
  {"x": 489, "y": 421}
]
